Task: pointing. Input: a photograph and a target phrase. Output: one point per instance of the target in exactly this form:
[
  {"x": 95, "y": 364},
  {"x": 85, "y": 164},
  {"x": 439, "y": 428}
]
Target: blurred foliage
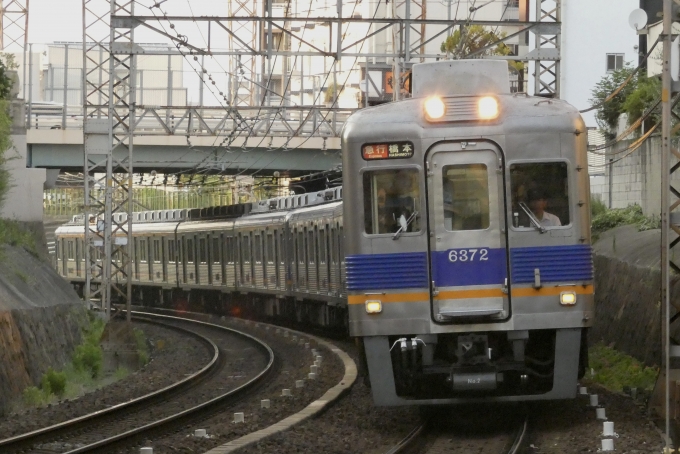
[
  {"x": 14, "y": 234},
  {"x": 142, "y": 346},
  {"x": 607, "y": 116},
  {"x": 34, "y": 397},
  {"x": 615, "y": 217},
  {"x": 472, "y": 38},
  {"x": 615, "y": 370},
  {"x": 597, "y": 207},
  {"x": 88, "y": 356},
  {"x": 53, "y": 382}
]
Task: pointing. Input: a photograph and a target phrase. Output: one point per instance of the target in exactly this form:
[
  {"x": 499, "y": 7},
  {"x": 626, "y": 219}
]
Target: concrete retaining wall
[
  {"x": 627, "y": 293},
  {"x": 41, "y": 318}
]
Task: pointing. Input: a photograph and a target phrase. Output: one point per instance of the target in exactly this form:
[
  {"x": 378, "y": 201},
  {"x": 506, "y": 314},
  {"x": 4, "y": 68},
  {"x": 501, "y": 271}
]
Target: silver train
[{"x": 458, "y": 249}]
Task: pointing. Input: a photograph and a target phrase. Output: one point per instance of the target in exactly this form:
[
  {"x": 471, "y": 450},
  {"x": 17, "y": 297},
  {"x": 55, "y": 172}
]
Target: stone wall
[
  {"x": 41, "y": 318},
  {"x": 627, "y": 293}
]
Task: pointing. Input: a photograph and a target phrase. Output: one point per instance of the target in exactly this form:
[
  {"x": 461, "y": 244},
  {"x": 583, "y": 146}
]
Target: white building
[{"x": 596, "y": 38}]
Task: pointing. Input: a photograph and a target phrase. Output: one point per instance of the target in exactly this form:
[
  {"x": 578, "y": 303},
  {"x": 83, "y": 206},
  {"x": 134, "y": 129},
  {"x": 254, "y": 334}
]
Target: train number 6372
[{"x": 468, "y": 255}]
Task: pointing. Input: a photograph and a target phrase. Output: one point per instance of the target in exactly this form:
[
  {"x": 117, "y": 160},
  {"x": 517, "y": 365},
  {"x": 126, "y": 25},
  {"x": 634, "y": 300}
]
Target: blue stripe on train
[
  {"x": 380, "y": 271},
  {"x": 557, "y": 263},
  {"x": 409, "y": 270}
]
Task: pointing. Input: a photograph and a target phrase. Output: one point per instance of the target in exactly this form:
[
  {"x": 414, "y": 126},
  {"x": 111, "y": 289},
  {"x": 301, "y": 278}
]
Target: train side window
[
  {"x": 270, "y": 248},
  {"x": 202, "y": 251},
  {"x": 180, "y": 252},
  {"x": 216, "y": 249},
  {"x": 542, "y": 189},
  {"x": 391, "y": 199},
  {"x": 190, "y": 250},
  {"x": 142, "y": 250},
  {"x": 301, "y": 247},
  {"x": 257, "y": 248},
  {"x": 157, "y": 250},
  {"x": 231, "y": 245},
  {"x": 310, "y": 244},
  {"x": 246, "y": 248},
  {"x": 171, "y": 251},
  {"x": 69, "y": 251},
  {"x": 466, "y": 197},
  {"x": 322, "y": 246}
]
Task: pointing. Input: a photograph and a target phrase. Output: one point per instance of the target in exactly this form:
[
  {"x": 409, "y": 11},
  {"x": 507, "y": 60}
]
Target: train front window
[
  {"x": 391, "y": 200},
  {"x": 541, "y": 191},
  {"x": 466, "y": 197}
]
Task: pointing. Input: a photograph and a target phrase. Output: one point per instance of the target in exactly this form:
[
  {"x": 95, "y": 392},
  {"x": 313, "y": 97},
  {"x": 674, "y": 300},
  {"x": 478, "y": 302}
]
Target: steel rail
[
  {"x": 35, "y": 436},
  {"x": 216, "y": 400}
]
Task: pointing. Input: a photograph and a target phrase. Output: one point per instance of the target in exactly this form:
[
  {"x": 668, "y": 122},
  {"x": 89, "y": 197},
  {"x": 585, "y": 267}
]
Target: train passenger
[{"x": 538, "y": 202}]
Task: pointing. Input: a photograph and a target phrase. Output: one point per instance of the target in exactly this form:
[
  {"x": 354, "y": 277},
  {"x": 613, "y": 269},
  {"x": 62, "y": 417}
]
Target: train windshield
[
  {"x": 540, "y": 190},
  {"x": 466, "y": 197},
  {"x": 391, "y": 199}
]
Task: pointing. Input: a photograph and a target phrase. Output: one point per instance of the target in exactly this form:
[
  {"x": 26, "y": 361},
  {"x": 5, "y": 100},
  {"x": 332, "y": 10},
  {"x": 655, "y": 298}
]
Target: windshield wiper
[
  {"x": 404, "y": 224},
  {"x": 532, "y": 217}
]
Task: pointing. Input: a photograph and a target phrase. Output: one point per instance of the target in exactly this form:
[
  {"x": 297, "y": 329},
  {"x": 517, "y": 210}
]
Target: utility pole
[{"x": 666, "y": 87}]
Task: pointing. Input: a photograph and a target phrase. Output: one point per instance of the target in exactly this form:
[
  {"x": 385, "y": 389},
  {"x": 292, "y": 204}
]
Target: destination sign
[{"x": 390, "y": 150}]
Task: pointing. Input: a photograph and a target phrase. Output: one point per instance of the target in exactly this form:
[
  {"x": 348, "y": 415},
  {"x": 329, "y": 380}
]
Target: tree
[
  {"x": 607, "y": 116},
  {"x": 6, "y": 82},
  {"x": 471, "y": 39}
]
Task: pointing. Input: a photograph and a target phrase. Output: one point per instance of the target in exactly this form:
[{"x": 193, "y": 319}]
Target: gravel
[{"x": 352, "y": 424}]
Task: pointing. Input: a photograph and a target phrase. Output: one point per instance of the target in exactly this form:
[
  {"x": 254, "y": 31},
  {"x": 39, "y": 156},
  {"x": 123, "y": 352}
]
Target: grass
[
  {"x": 615, "y": 370},
  {"x": 14, "y": 234}
]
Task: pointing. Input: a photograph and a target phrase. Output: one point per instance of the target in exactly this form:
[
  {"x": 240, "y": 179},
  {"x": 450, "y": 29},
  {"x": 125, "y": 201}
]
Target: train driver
[{"x": 538, "y": 202}]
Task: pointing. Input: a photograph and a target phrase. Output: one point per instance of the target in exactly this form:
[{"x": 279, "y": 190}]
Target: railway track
[
  {"x": 163, "y": 409},
  {"x": 442, "y": 433}
]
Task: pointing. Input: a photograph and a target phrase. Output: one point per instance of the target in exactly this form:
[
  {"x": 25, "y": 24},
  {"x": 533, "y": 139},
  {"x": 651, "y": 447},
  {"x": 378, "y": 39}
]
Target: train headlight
[
  {"x": 487, "y": 108},
  {"x": 434, "y": 108},
  {"x": 568, "y": 298},
  {"x": 373, "y": 306}
]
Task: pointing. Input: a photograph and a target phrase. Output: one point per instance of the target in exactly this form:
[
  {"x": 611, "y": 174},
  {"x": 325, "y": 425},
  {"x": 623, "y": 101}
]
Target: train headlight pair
[
  {"x": 568, "y": 298},
  {"x": 487, "y": 108},
  {"x": 373, "y": 306}
]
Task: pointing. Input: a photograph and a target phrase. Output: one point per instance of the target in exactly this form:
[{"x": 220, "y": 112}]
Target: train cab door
[{"x": 467, "y": 241}]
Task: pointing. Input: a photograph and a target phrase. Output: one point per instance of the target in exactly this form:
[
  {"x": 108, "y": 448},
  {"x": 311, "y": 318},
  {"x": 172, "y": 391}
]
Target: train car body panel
[{"x": 456, "y": 286}]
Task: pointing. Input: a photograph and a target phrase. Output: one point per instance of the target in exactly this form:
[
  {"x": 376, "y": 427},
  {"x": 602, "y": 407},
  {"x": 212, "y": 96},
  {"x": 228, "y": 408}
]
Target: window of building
[
  {"x": 391, "y": 199},
  {"x": 614, "y": 62},
  {"x": 540, "y": 189}
]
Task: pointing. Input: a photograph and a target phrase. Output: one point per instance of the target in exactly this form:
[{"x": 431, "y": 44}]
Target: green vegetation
[
  {"x": 84, "y": 373},
  {"x": 142, "y": 346},
  {"x": 614, "y": 370},
  {"x": 88, "y": 356},
  {"x": 475, "y": 41},
  {"x": 609, "y": 218},
  {"x": 53, "y": 382},
  {"x": 14, "y": 234}
]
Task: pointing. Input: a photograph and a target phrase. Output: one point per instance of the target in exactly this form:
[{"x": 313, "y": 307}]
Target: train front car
[{"x": 469, "y": 269}]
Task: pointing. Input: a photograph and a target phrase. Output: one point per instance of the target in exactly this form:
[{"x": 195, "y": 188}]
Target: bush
[
  {"x": 632, "y": 214},
  {"x": 614, "y": 370},
  {"x": 597, "y": 207},
  {"x": 53, "y": 382},
  {"x": 142, "y": 347},
  {"x": 33, "y": 396},
  {"x": 88, "y": 358}
]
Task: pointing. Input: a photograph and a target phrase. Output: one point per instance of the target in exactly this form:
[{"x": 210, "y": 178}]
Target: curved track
[{"x": 101, "y": 430}]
